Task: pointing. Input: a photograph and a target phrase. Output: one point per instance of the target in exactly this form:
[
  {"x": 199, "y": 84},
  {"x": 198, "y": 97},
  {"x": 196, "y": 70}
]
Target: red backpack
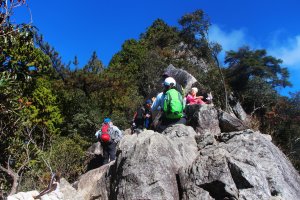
[{"x": 105, "y": 137}]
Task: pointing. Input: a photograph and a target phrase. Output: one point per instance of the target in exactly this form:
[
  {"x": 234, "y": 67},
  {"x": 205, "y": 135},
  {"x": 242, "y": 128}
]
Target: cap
[
  {"x": 148, "y": 101},
  {"x": 106, "y": 120},
  {"x": 168, "y": 81}
]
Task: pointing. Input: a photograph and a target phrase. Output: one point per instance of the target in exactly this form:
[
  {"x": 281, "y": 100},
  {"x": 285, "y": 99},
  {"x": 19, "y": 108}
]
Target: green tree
[
  {"x": 20, "y": 57},
  {"x": 251, "y": 69},
  {"x": 245, "y": 64},
  {"x": 160, "y": 35},
  {"x": 195, "y": 28},
  {"x": 43, "y": 110},
  {"x": 75, "y": 63},
  {"x": 121, "y": 91},
  {"x": 94, "y": 65},
  {"x": 20, "y": 64},
  {"x": 283, "y": 123},
  {"x": 60, "y": 68}
]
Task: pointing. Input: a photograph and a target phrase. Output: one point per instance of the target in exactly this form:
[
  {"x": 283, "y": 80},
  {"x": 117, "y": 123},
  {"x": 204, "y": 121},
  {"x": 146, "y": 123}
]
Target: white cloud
[
  {"x": 288, "y": 51},
  {"x": 231, "y": 40}
]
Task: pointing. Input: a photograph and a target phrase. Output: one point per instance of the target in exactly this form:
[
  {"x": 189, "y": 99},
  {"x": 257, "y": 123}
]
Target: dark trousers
[
  {"x": 109, "y": 151},
  {"x": 169, "y": 122}
]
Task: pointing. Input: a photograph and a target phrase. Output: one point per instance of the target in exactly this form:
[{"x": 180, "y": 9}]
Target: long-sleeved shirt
[{"x": 158, "y": 104}]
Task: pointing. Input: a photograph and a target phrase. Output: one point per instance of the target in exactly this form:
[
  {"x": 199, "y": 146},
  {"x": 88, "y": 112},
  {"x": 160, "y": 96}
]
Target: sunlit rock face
[
  {"x": 217, "y": 157},
  {"x": 243, "y": 165}
]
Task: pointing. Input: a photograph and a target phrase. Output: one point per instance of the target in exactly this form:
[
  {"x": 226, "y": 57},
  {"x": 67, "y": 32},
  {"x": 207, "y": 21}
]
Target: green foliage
[
  {"x": 160, "y": 35},
  {"x": 44, "y": 109},
  {"x": 81, "y": 112},
  {"x": 249, "y": 70},
  {"x": 149, "y": 76},
  {"x": 94, "y": 65},
  {"x": 210, "y": 81},
  {"x": 194, "y": 32},
  {"x": 67, "y": 157},
  {"x": 246, "y": 64},
  {"x": 121, "y": 90},
  {"x": 56, "y": 61},
  {"x": 284, "y": 126},
  {"x": 258, "y": 93},
  {"x": 19, "y": 56}
]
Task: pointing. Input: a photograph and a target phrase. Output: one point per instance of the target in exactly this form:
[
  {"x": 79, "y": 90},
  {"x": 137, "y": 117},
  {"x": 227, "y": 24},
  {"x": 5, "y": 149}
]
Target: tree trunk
[{"x": 15, "y": 176}]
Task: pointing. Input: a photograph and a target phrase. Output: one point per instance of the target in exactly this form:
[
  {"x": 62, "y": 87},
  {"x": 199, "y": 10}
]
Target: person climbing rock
[
  {"x": 143, "y": 116},
  {"x": 109, "y": 136},
  {"x": 172, "y": 106}
]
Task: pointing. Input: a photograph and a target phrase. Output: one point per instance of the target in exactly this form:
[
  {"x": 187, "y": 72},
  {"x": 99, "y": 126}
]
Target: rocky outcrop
[
  {"x": 236, "y": 108},
  {"x": 203, "y": 118},
  {"x": 244, "y": 165},
  {"x": 55, "y": 195},
  {"x": 185, "y": 79},
  {"x": 214, "y": 162},
  {"x": 94, "y": 184},
  {"x": 182, "y": 52},
  {"x": 228, "y": 123},
  {"x": 23, "y": 195},
  {"x": 95, "y": 149},
  {"x": 68, "y": 191},
  {"x": 95, "y": 156},
  {"x": 148, "y": 164}
]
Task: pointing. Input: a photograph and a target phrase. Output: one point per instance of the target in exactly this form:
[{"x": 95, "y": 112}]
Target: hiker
[
  {"x": 178, "y": 87},
  {"x": 158, "y": 102},
  {"x": 148, "y": 114},
  {"x": 192, "y": 97},
  {"x": 52, "y": 186},
  {"x": 143, "y": 116},
  {"x": 109, "y": 135},
  {"x": 172, "y": 106}
]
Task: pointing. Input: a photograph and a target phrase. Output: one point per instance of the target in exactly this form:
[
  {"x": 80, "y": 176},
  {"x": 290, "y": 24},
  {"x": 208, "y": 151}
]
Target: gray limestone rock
[
  {"x": 245, "y": 165},
  {"x": 182, "y": 52},
  {"x": 203, "y": 118},
  {"x": 242, "y": 165},
  {"x": 147, "y": 164},
  {"x": 237, "y": 108},
  {"x": 228, "y": 123},
  {"x": 95, "y": 183},
  {"x": 185, "y": 79},
  {"x": 68, "y": 191},
  {"x": 95, "y": 149}
]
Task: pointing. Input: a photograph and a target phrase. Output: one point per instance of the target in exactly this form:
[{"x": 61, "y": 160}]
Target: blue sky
[{"x": 81, "y": 27}]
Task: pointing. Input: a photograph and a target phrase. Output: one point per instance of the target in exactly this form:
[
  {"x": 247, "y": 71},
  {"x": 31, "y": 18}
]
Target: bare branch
[
  {"x": 13, "y": 175},
  {"x": 256, "y": 108},
  {"x": 6, "y": 10}
]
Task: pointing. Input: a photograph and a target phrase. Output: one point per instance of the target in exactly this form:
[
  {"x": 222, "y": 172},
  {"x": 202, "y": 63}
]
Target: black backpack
[{"x": 139, "y": 117}]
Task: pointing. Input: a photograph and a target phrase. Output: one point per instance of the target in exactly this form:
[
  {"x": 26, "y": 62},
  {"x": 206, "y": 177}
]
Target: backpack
[
  {"x": 105, "y": 136},
  {"x": 173, "y": 104},
  {"x": 140, "y": 113},
  {"x": 139, "y": 117}
]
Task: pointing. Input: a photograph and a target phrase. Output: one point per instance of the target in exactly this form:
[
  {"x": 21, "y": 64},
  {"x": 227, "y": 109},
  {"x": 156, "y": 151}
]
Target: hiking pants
[
  {"x": 109, "y": 151},
  {"x": 169, "y": 122}
]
